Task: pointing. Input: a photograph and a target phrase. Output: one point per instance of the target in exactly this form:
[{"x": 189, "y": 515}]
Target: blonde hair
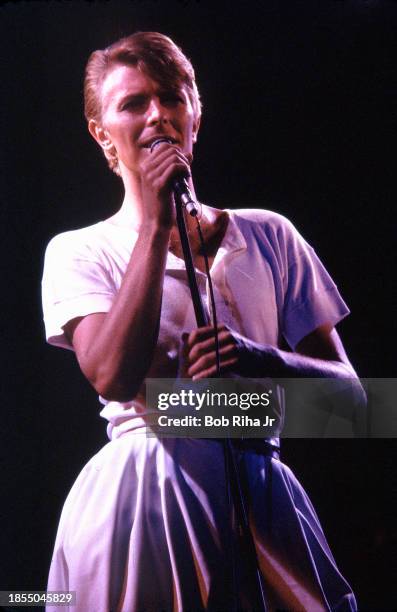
[{"x": 153, "y": 53}]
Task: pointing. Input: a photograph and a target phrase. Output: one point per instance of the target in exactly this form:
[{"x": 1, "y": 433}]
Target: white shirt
[{"x": 268, "y": 284}]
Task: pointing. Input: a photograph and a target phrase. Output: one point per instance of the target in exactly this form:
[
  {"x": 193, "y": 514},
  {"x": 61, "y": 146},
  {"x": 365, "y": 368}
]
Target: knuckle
[
  {"x": 204, "y": 361},
  {"x": 193, "y": 336},
  {"x": 157, "y": 185},
  {"x": 195, "y": 353},
  {"x": 234, "y": 351}
]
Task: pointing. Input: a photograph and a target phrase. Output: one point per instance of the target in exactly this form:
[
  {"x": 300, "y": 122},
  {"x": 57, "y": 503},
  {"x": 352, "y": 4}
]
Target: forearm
[
  {"x": 319, "y": 355},
  {"x": 120, "y": 354},
  {"x": 276, "y": 363},
  {"x": 270, "y": 362}
]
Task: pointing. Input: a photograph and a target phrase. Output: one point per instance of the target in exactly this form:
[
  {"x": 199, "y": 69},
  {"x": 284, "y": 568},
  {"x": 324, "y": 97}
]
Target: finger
[
  {"x": 160, "y": 182},
  {"x": 154, "y": 167},
  {"x": 201, "y": 334},
  {"x": 209, "y": 359},
  {"x": 212, "y": 371},
  {"x": 164, "y": 146},
  {"x": 206, "y": 346},
  {"x": 162, "y": 152},
  {"x": 183, "y": 357},
  {"x": 163, "y": 181}
]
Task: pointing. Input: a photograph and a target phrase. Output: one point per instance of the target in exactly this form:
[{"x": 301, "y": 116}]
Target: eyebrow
[
  {"x": 170, "y": 89},
  {"x": 163, "y": 91},
  {"x": 131, "y": 96}
]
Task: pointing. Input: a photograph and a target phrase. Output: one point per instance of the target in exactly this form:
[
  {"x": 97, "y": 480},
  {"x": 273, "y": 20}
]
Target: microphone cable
[
  {"x": 231, "y": 468},
  {"x": 226, "y": 442},
  {"x": 212, "y": 298}
]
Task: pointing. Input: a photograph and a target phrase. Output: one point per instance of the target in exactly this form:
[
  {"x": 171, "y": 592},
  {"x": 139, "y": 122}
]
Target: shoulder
[
  {"x": 267, "y": 220},
  {"x": 82, "y": 240},
  {"x": 267, "y": 226},
  {"x": 94, "y": 243}
]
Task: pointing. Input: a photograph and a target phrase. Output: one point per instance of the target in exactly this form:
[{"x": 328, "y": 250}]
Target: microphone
[{"x": 180, "y": 185}]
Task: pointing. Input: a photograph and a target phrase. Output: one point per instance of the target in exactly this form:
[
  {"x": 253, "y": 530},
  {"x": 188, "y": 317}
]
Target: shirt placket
[{"x": 224, "y": 301}]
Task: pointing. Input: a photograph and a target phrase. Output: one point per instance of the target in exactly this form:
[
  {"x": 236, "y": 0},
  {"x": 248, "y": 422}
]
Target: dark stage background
[{"x": 299, "y": 117}]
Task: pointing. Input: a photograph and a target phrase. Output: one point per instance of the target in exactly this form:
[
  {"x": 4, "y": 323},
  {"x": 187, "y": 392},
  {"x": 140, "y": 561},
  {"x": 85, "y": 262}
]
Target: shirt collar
[{"x": 233, "y": 241}]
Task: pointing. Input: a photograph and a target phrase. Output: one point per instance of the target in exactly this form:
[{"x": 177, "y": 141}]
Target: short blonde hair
[{"x": 153, "y": 53}]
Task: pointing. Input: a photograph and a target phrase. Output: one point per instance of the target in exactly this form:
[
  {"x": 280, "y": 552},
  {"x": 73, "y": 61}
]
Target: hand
[
  {"x": 237, "y": 354},
  {"x": 158, "y": 170}
]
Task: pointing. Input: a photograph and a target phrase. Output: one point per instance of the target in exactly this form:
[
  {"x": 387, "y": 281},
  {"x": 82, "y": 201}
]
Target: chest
[
  {"x": 212, "y": 233},
  {"x": 199, "y": 261},
  {"x": 248, "y": 291},
  {"x": 210, "y": 249}
]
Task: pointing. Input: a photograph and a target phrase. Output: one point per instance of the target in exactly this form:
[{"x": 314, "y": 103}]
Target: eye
[
  {"x": 134, "y": 103},
  {"x": 171, "y": 98}
]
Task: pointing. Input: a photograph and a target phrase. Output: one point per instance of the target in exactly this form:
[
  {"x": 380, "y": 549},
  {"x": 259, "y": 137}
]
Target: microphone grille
[{"x": 158, "y": 141}]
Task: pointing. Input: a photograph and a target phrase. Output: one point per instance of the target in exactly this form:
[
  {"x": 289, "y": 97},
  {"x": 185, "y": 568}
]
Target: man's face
[{"x": 136, "y": 110}]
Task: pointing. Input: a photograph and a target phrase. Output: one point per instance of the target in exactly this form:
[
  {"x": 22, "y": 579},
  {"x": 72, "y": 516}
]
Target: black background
[{"x": 299, "y": 117}]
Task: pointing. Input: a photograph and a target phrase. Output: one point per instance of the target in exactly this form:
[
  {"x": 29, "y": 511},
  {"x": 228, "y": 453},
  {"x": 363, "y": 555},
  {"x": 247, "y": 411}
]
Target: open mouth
[{"x": 161, "y": 138}]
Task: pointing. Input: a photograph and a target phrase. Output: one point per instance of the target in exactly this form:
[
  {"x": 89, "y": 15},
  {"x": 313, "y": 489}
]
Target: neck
[{"x": 131, "y": 211}]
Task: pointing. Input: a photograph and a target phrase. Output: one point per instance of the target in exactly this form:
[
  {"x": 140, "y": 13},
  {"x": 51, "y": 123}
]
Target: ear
[
  {"x": 101, "y": 135},
  {"x": 196, "y": 126}
]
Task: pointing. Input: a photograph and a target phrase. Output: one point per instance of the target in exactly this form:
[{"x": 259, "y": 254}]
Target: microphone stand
[{"x": 233, "y": 483}]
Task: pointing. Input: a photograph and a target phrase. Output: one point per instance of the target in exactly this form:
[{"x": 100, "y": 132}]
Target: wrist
[
  {"x": 155, "y": 230},
  {"x": 251, "y": 360}
]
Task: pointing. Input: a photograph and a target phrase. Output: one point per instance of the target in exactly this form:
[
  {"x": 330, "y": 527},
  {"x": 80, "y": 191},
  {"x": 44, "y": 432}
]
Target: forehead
[
  {"x": 121, "y": 77},
  {"x": 123, "y": 80}
]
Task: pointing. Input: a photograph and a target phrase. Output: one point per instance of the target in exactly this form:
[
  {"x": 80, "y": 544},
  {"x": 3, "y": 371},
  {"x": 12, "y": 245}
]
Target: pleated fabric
[{"x": 145, "y": 529}]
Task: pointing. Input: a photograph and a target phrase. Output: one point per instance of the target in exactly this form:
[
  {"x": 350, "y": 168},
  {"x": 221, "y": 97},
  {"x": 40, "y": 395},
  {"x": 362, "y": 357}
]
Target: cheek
[
  {"x": 121, "y": 126},
  {"x": 189, "y": 133},
  {"x": 184, "y": 124}
]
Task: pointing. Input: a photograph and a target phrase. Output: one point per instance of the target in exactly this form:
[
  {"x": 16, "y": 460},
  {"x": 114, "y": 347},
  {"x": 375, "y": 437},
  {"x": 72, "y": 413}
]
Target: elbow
[
  {"x": 116, "y": 392},
  {"x": 112, "y": 379},
  {"x": 357, "y": 391},
  {"x": 113, "y": 387},
  {"x": 346, "y": 370}
]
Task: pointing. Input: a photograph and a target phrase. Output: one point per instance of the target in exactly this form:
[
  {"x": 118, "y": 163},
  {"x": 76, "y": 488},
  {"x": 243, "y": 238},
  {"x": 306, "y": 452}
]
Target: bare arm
[
  {"x": 319, "y": 354},
  {"x": 115, "y": 349}
]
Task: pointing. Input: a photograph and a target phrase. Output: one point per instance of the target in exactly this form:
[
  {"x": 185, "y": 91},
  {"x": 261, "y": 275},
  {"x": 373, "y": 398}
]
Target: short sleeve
[
  {"x": 75, "y": 283},
  {"x": 311, "y": 297}
]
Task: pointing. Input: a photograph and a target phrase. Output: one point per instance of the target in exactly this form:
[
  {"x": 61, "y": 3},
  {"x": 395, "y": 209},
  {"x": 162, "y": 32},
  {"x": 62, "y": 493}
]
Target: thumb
[{"x": 183, "y": 356}]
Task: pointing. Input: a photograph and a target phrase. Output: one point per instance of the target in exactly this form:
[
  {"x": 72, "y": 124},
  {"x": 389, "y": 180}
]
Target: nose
[{"x": 156, "y": 112}]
